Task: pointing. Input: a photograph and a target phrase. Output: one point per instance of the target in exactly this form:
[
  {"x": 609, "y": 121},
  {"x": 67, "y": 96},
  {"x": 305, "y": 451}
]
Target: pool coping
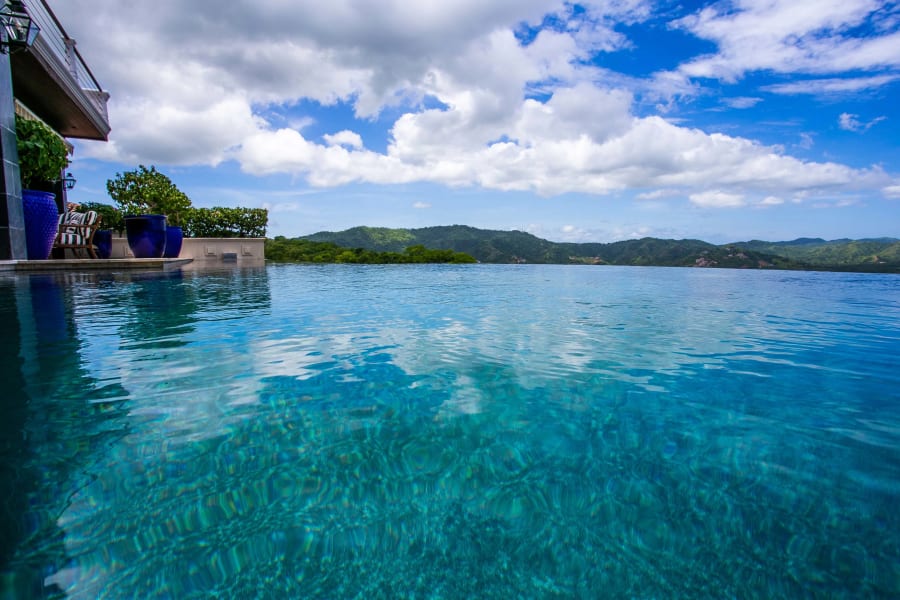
[{"x": 92, "y": 264}]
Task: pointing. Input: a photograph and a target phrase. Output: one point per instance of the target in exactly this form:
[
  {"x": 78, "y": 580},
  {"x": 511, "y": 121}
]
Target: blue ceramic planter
[
  {"x": 103, "y": 241},
  {"x": 41, "y": 223},
  {"x": 174, "y": 237},
  {"x": 146, "y": 235}
]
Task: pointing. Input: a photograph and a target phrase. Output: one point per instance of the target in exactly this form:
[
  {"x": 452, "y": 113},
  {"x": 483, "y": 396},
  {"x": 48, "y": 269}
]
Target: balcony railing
[{"x": 63, "y": 47}]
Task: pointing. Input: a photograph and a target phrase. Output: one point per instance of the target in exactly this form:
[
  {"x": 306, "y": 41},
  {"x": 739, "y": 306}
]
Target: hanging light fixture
[
  {"x": 69, "y": 181},
  {"x": 17, "y": 29}
]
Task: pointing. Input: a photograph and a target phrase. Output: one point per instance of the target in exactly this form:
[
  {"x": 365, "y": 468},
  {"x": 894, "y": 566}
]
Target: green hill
[
  {"x": 493, "y": 246},
  {"x": 486, "y": 245},
  {"x": 869, "y": 253}
]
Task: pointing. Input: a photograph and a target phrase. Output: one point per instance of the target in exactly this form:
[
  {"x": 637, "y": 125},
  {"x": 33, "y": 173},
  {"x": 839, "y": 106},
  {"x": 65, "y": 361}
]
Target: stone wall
[{"x": 208, "y": 250}]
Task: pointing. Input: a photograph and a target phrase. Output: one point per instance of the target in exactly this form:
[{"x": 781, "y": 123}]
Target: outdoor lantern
[
  {"x": 69, "y": 181},
  {"x": 18, "y": 30}
]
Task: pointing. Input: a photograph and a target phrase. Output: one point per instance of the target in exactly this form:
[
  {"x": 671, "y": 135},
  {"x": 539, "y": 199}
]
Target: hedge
[{"x": 226, "y": 222}]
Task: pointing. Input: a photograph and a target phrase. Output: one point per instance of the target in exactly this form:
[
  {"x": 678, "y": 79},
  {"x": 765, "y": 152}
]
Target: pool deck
[{"x": 90, "y": 264}]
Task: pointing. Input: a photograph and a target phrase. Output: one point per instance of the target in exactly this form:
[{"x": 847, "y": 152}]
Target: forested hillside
[
  {"x": 486, "y": 245},
  {"x": 838, "y": 253},
  {"x": 282, "y": 249},
  {"x": 492, "y": 246}
]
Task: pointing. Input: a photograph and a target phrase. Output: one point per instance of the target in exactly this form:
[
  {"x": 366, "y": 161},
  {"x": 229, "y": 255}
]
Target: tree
[{"x": 144, "y": 191}]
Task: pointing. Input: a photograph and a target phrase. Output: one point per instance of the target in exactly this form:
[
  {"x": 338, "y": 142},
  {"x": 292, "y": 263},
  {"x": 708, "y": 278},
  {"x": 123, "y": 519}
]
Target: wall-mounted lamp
[
  {"x": 17, "y": 30},
  {"x": 69, "y": 181}
]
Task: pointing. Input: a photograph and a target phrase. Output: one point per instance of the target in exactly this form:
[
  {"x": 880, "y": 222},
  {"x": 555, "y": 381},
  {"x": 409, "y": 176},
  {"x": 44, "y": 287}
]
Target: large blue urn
[
  {"x": 146, "y": 235},
  {"x": 41, "y": 223}
]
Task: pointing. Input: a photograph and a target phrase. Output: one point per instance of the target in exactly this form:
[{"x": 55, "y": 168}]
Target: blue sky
[{"x": 595, "y": 121}]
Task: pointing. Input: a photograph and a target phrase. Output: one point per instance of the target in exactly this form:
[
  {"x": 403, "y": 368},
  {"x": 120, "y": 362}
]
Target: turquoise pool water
[{"x": 450, "y": 432}]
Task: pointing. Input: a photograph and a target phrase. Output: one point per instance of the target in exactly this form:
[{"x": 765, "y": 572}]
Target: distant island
[{"x": 881, "y": 255}]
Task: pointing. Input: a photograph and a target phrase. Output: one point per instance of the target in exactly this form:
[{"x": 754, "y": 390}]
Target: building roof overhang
[{"x": 46, "y": 86}]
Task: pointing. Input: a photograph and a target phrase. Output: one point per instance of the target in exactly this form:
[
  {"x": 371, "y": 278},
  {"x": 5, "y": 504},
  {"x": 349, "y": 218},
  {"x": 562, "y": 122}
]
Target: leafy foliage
[
  {"x": 42, "y": 153},
  {"x": 110, "y": 217},
  {"x": 147, "y": 191},
  {"x": 282, "y": 249},
  {"x": 227, "y": 222}
]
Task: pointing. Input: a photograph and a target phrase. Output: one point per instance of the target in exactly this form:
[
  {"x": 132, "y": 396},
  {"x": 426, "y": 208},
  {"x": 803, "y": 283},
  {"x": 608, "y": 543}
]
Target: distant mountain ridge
[
  {"x": 496, "y": 246},
  {"x": 837, "y": 253}
]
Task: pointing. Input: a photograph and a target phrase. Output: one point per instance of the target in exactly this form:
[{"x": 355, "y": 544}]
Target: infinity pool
[{"x": 450, "y": 432}]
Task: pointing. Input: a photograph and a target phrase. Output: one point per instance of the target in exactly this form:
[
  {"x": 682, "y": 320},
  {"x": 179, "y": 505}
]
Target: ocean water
[{"x": 450, "y": 432}]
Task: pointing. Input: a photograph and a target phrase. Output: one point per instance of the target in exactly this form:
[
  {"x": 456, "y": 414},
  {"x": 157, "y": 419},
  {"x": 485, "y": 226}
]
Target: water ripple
[{"x": 455, "y": 432}]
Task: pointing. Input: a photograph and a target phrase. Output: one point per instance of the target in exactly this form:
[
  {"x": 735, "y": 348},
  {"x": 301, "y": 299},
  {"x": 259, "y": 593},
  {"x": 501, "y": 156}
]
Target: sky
[{"x": 595, "y": 121}]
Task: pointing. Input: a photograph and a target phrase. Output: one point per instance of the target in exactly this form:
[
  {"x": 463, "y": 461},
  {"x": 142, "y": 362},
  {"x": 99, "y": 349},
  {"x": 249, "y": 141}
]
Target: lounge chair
[{"x": 76, "y": 233}]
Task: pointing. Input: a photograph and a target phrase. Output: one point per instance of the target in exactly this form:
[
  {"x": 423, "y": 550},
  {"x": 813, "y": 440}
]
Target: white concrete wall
[{"x": 207, "y": 250}]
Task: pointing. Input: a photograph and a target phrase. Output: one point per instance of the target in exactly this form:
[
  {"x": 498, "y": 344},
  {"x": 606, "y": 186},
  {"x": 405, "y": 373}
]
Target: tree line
[{"x": 282, "y": 249}]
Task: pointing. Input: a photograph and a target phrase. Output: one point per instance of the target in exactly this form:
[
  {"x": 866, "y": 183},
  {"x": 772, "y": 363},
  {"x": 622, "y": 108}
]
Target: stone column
[{"x": 12, "y": 222}]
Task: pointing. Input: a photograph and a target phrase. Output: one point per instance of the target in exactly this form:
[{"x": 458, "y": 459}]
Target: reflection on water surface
[{"x": 440, "y": 431}]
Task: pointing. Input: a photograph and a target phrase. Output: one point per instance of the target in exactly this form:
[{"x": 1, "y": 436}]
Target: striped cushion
[
  {"x": 75, "y": 222},
  {"x": 73, "y": 218},
  {"x": 76, "y": 228},
  {"x": 70, "y": 239},
  {"x": 70, "y": 219}
]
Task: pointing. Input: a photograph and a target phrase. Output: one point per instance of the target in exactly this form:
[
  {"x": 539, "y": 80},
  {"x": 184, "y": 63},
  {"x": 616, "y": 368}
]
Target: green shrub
[
  {"x": 227, "y": 222},
  {"x": 111, "y": 217},
  {"x": 42, "y": 153}
]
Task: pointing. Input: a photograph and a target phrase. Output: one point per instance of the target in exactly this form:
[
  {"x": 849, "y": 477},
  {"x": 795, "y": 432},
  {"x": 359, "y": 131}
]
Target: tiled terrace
[{"x": 80, "y": 264}]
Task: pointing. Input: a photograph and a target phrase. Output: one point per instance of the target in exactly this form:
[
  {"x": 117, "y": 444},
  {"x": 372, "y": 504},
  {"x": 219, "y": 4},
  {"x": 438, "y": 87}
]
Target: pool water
[{"x": 450, "y": 432}]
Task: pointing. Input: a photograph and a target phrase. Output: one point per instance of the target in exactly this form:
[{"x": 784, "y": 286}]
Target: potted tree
[
  {"x": 154, "y": 210},
  {"x": 42, "y": 157}
]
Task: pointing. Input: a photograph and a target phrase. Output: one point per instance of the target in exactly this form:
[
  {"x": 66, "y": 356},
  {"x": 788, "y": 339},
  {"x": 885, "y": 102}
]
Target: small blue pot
[
  {"x": 103, "y": 241},
  {"x": 146, "y": 235},
  {"x": 174, "y": 238}
]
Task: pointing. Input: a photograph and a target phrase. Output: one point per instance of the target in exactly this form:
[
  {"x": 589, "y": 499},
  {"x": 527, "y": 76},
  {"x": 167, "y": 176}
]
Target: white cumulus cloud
[
  {"x": 717, "y": 199},
  {"x": 347, "y": 138},
  {"x": 787, "y": 36},
  {"x": 466, "y": 101}
]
